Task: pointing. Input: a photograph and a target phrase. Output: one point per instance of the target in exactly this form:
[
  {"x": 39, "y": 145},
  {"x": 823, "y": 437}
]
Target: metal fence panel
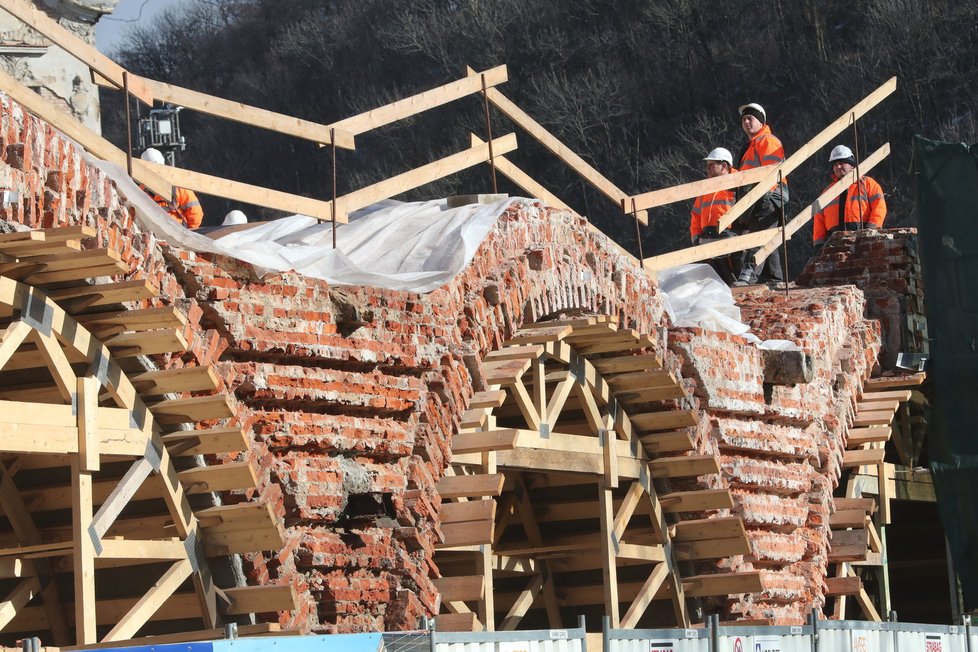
[
  {"x": 548, "y": 640},
  {"x": 656, "y": 640}
]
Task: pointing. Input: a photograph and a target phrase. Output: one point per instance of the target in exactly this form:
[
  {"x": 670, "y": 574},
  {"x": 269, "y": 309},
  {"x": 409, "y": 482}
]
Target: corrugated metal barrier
[{"x": 817, "y": 636}]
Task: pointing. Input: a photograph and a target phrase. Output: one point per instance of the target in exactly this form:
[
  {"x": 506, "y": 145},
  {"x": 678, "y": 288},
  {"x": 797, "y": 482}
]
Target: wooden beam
[
  {"x": 153, "y": 599},
  {"x": 261, "y": 599},
  {"x": 184, "y": 443},
  {"x": 249, "y": 115},
  {"x": 688, "y": 465},
  {"x": 28, "y": 13},
  {"x": 415, "y": 104},
  {"x": 709, "y": 250},
  {"x": 150, "y": 550},
  {"x": 836, "y": 586},
  {"x": 609, "y": 566},
  {"x": 25, "y": 591},
  {"x": 465, "y": 486},
  {"x": 83, "y": 555},
  {"x": 238, "y": 191},
  {"x": 696, "y": 188},
  {"x": 697, "y": 500},
  {"x": 506, "y": 167},
  {"x": 422, "y": 175},
  {"x": 27, "y": 533},
  {"x": 820, "y": 140},
  {"x": 75, "y": 130},
  {"x": 88, "y": 437},
  {"x": 645, "y": 596},
  {"x": 120, "y": 496},
  {"x": 823, "y": 200},
  {"x": 559, "y": 149},
  {"x": 13, "y": 336},
  {"x": 466, "y": 587},
  {"x": 523, "y": 603}
]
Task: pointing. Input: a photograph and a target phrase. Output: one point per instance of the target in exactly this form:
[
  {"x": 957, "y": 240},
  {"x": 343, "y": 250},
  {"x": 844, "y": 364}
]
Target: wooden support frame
[
  {"x": 556, "y": 147},
  {"x": 562, "y": 424}
]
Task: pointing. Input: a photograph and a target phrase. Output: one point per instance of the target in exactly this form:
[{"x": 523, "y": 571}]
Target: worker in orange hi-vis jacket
[
  {"x": 762, "y": 148},
  {"x": 860, "y": 206},
  {"x": 183, "y": 206},
  {"x": 709, "y": 208}
]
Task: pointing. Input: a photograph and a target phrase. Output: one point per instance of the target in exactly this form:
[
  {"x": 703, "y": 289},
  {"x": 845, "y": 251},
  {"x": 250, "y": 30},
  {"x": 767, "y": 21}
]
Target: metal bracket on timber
[
  {"x": 569, "y": 442},
  {"x": 116, "y": 447}
]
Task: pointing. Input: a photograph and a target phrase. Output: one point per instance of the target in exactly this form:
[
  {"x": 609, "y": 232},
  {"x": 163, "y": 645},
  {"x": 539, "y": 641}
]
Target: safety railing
[{"x": 342, "y": 134}]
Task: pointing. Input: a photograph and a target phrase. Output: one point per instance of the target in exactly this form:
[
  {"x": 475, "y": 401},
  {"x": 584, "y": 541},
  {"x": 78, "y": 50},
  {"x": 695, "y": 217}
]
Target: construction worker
[
  {"x": 184, "y": 206},
  {"x": 863, "y": 201},
  {"x": 707, "y": 210},
  {"x": 762, "y": 148}
]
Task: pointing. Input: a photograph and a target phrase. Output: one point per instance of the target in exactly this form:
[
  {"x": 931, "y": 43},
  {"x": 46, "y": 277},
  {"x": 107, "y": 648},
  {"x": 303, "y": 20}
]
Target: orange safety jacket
[
  {"x": 707, "y": 211},
  {"x": 865, "y": 209},
  {"x": 184, "y": 207},
  {"x": 764, "y": 148}
]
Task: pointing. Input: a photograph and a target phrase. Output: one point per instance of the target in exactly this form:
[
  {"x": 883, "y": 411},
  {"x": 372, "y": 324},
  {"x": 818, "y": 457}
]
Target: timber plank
[
  {"x": 850, "y": 518},
  {"x": 712, "y": 548},
  {"x": 462, "y": 587},
  {"x": 464, "y": 622},
  {"x": 721, "y": 527},
  {"x": 504, "y": 372},
  {"x": 689, "y": 465},
  {"x": 530, "y": 351},
  {"x": 173, "y": 381},
  {"x": 188, "y": 410},
  {"x": 183, "y": 443},
  {"x": 871, "y": 434},
  {"x": 699, "y": 586},
  {"x": 162, "y": 340},
  {"x": 848, "y": 545},
  {"x": 488, "y": 399},
  {"x": 622, "y": 364},
  {"x": 261, "y": 599},
  {"x": 697, "y": 501},
  {"x": 669, "y": 420},
  {"x": 836, "y": 586},
  {"x": 667, "y": 442},
  {"x": 894, "y": 382},
  {"x": 867, "y": 505},
  {"x": 239, "y": 529},
  {"x": 480, "y": 442},
  {"x": 131, "y": 320},
  {"x": 105, "y": 294},
  {"x": 222, "y": 477},
  {"x": 466, "y": 533},
  {"x": 470, "y": 510},
  {"x": 540, "y": 335},
  {"x": 852, "y": 459},
  {"x": 464, "y": 486}
]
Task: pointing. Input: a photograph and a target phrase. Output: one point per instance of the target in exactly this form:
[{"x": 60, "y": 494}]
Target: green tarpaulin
[{"x": 947, "y": 202}]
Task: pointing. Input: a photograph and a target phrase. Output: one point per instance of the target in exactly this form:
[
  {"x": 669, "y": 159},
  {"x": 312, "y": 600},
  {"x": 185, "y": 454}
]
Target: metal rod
[
  {"x": 859, "y": 181},
  {"x": 784, "y": 236},
  {"x": 713, "y": 622},
  {"x": 332, "y": 212},
  {"x": 492, "y": 159},
  {"x": 638, "y": 231},
  {"x": 813, "y": 619},
  {"x": 605, "y": 629},
  {"x": 125, "y": 88}
]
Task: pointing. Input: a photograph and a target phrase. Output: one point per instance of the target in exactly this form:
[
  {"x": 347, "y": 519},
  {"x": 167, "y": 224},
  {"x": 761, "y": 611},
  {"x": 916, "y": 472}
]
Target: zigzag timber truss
[
  {"x": 95, "y": 480},
  {"x": 555, "y": 482}
]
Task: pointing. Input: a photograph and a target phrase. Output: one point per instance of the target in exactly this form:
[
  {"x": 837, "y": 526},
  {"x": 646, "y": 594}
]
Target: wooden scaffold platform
[{"x": 102, "y": 537}]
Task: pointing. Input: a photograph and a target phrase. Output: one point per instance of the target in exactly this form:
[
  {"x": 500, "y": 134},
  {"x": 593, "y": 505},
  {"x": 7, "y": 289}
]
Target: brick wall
[
  {"x": 351, "y": 394},
  {"x": 885, "y": 265},
  {"x": 780, "y": 446}
]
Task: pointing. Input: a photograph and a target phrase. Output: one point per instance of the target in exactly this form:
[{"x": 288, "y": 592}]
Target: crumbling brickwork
[
  {"x": 351, "y": 395},
  {"x": 885, "y": 265}
]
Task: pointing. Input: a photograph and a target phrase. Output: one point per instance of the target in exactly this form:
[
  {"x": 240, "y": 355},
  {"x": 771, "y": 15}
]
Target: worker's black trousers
[{"x": 765, "y": 214}]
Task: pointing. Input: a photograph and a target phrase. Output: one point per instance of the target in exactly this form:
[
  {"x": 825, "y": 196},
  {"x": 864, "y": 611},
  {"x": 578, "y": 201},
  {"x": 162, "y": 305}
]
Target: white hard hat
[
  {"x": 756, "y": 107},
  {"x": 720, "y": 154},
  {"x": 840, "y": 153},
  {"x": 234, "y": 217},
  {"x": 153, "y": 155}
]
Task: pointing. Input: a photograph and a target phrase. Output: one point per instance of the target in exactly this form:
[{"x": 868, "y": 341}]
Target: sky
[{"x": 112, "y": 29}]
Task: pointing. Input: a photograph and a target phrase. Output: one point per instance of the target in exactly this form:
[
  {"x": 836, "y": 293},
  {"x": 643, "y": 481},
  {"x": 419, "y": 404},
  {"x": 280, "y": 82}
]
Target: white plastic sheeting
[
  {"x": 695, "y": 296},
  {"x": 416, "y": 247}
]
